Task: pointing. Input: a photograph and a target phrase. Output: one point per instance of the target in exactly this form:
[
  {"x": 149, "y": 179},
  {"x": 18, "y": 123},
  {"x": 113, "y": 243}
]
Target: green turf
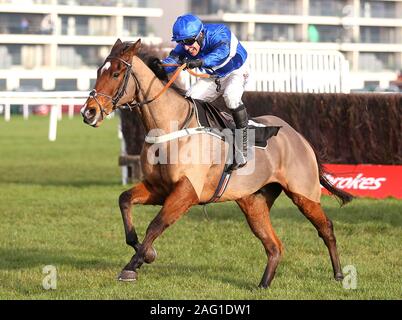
[{"x": 58, "y": 206}]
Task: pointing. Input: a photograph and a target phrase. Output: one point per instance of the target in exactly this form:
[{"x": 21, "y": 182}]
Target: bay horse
[{"x": 288, "y": 164}]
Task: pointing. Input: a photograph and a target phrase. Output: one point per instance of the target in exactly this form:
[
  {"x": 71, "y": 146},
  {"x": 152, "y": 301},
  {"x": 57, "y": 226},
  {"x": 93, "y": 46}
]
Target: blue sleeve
[
  {"x": 220, "y": 44},
  {"x": 173, "y": 57}
]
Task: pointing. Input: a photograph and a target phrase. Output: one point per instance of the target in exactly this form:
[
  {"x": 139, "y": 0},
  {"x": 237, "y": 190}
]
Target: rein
[
  {"x": 122, "y": 89},
  {"x": 199, "y": 75}
]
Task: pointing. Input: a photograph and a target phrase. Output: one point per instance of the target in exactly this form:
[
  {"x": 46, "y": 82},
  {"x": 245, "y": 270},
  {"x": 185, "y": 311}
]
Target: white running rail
[
  {"x": 294, "y": 70},
  {"x": 56, "y": 99}
]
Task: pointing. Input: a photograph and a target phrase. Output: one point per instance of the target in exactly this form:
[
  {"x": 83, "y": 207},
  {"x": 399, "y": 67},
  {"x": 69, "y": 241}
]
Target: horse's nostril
[{"x": 90, "y": 113}]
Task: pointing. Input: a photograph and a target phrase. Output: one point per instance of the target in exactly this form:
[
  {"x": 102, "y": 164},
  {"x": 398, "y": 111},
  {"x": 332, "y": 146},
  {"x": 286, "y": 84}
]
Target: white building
[
  {"x": 368, "y": 33},
  {"x": 58, "y": 44}
]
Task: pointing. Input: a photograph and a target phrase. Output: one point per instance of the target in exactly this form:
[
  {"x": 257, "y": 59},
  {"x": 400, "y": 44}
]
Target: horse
[{"x": 289, "y": 164}]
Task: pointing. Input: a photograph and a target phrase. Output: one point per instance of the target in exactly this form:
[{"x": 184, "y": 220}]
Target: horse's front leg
[
  {"x": 139, "y": 194},
  {"x": 177, "y": 203}
]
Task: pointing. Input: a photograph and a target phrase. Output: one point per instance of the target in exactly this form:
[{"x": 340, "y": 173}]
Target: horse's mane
[
  {"x": 153, "y": 62},
  {"x": 150, "y": 56}
]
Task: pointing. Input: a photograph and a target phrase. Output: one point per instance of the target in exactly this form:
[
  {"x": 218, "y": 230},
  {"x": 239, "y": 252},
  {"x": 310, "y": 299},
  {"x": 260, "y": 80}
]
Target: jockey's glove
[
  {"x": 197, "y": 63},
  {"x": 155, "y": 63},
  {"x": 156, "y": 66}
]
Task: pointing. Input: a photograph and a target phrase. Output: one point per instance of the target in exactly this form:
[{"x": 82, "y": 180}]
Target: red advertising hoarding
[{"x": 374, "y": 181}]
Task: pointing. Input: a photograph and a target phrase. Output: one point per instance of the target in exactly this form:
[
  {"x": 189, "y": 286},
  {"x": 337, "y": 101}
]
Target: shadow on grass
[
  {"x": 383, "y": 212},
  {"x": 17, "y": 258},
  {"x": 60, "y": 183},
  {"x": 221, "y": 274}
]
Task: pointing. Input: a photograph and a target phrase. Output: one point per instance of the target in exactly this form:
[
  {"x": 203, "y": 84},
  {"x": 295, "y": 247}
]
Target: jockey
[{"x": 214, "y": 49}]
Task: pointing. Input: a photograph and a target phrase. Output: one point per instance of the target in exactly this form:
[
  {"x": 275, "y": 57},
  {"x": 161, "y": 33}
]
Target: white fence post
[
  {"x": 25, "y": 111},
  {"x": 70, "y": 111},
  {"x": 59, "y": 111},
  {"x": 7, "y": 112},
  {"x": 54, "y": 110},
  {"x": 123, "y": 152}
]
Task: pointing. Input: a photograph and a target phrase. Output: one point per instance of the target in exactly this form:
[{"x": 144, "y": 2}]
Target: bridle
[{"x": 120, "y": 92}]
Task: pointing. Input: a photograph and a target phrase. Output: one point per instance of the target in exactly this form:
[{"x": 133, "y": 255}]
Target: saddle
[{"x": 210, "y": 116}]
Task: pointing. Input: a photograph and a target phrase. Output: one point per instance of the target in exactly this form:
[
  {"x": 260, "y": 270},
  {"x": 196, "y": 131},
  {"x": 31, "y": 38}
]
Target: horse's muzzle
[{"x": 89, "y": 116}]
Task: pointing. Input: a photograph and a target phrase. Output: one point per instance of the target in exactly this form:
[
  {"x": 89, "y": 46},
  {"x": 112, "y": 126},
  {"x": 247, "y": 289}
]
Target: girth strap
[{"x": 222, "y": 185}]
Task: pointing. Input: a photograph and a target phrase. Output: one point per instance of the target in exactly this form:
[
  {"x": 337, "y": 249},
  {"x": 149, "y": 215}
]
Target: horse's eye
[{"x": 115, "y": 74}]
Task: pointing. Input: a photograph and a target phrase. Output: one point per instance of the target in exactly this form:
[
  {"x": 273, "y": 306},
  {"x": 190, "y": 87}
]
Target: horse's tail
[{"x": 342, "y": 196}]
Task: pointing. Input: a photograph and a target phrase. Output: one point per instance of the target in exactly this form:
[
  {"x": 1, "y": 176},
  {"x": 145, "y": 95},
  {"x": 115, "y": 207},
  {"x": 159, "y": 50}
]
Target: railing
[
  {"x": 288, "y": 70},
  {"x": 54, "y": 99}
]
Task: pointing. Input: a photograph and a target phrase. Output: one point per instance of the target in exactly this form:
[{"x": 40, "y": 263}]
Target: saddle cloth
[{"x": 210, "y": 116}]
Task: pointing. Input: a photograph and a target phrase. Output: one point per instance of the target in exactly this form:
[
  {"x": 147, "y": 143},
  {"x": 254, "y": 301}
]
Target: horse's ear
[
  {"x": 131, "y": 49},
  {"x": 118, "y": 42},
  {"x": 137, "y": 45}
]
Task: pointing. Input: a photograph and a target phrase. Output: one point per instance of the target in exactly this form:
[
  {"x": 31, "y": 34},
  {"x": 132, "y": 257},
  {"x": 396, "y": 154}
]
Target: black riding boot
[{"x": 240, "y": 141}]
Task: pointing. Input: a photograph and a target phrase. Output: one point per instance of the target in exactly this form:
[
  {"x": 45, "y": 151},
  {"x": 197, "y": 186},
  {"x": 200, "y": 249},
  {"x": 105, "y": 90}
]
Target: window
[
  {"x": 78, "y": 56},
  {"x": 66, "y": 85},
  {"x": 332, "y": 8},
  {"x": 201, "y": 7},
  {"x": 14, "y": 50},
  {"x": 276, "y": 7},
  {"x": 6, "y": 59},
  {"x": 68, "y": 57},
  {"x": 379, "y": 9},
  {"x": 74, "y": 25},
  {"x": 239, "y": 30},
  {"x": 86, "y": 26},
  {"x": 17, "y": 23},
  {"x": 81, "y": 25},
  {"x": 377, "y": 35},
  {"x": 30, "y": 84},
  {"x": 89, "y": 2},
  {"x": 134, "y": 27},
  {"x": 92, "y": 83},
  {"x": 3, "y": 84},
  {"x": 331, "y": 33},
  {"x": 90, "y": 55},
  {"x": 377, "y": 61},
  {"x": 275, "y": 32}
]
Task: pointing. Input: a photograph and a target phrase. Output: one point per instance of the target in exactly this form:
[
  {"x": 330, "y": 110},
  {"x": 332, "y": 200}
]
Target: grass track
[{"x": 58, "y": 206}]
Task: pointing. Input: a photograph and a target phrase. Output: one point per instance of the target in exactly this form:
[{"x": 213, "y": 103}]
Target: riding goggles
[{"x": 187, "y": 42}]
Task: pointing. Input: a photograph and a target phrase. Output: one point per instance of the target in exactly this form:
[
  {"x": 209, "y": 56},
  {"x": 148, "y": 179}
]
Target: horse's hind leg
[
  {"x": 257, "y": 214},
  {"x": 314, "y": 212},
  {"x": 139, "y": 194}
]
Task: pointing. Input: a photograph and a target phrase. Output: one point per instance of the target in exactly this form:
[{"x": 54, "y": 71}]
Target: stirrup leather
[
  {"x": 240, "y": 149},
  {"x": 240, "y": 140}
]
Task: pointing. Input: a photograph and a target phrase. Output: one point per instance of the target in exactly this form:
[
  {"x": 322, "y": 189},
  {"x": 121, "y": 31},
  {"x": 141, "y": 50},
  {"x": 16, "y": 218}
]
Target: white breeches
[{"x": 232, "y": 87}]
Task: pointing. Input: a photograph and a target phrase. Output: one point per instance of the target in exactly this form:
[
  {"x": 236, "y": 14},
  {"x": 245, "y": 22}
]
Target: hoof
[
  {"x": 339, "y": 277},
  {"x": 150, "y": 256},
  {"x": 127, "y": 276}
]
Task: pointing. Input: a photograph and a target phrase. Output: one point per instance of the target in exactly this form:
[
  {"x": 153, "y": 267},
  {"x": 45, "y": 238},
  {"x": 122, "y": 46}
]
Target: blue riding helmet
[{"x": 186, "y": 27}]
